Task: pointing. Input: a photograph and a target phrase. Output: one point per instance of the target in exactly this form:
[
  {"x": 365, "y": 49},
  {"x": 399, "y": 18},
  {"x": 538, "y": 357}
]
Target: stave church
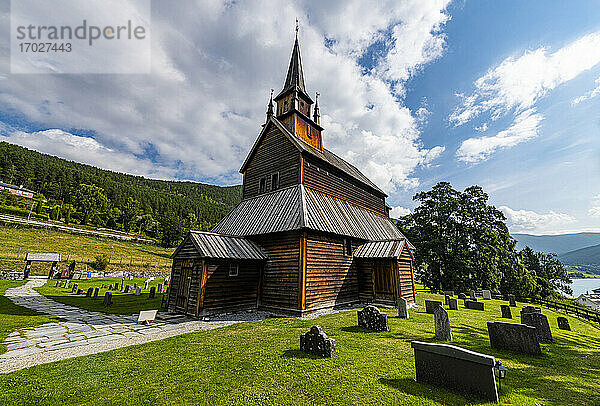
[{"x": 311, "y": 232}]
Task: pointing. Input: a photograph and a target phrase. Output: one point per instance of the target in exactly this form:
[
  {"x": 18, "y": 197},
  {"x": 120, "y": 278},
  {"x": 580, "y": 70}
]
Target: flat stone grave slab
[
  {"x": 506, "y": 313},
  {"x": 316, "y": 342},
  {"x": 514, "y": 337},
  {"x": 563, "y": 323},
  {"x": 456, "y": 369},
  {"x": 472, "y": 305},
  {"x": 373, "y": 319},
  {"x": 431, "y": 304}
]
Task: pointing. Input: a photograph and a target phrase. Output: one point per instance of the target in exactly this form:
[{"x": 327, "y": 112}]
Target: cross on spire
[{"x": 297, "y": 28}]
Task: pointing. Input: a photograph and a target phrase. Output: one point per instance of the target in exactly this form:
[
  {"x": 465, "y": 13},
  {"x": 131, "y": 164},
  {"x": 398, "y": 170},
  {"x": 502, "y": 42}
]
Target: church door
[{"x": 384, "y": 279}]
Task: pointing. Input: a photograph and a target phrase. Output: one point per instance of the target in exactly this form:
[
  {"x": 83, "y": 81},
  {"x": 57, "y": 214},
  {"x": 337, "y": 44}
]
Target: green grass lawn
[
  {"x": 260, "y": 363},
  {"x": 123, "y": 303},
  {"x": 124, "y": 256},
  {"x": 13, "y": 317}
]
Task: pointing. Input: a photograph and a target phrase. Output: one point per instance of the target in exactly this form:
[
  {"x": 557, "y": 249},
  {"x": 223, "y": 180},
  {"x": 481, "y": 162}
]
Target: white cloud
[
  {"x": 86, "y": 150},
  {"x": 399, "y": 211},
  {"x": 588, "y": 95},
  {"x": 530, "y": 221},
  {"x": 213, "y": 64},
  {"x": 524, "y": 128},
  {"x": 519, "y": 82}
]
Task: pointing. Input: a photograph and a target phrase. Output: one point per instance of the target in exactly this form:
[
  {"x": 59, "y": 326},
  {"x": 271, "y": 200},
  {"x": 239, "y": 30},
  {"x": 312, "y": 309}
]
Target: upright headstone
[
  {"x": 512, "y": 301},
  {"x": 152, "y": 292},
  {"x": 472, "y": 295},
  {"x": 107, "y": 299},
  {"x": 453, "y": 304},
  {"x": 506, "y": 313},
  {"x": 127, "y": 288},
  {"x": 530, "y": 309},
  {"x": 110, "y": 287},
  {"x": 116, "y": 286},
  {"x": 96, "y": 291},
  {"x": 372, "y": 318},
  {"x": 563, "y": 323},
  {"x": 448, "y": 292},
  {"x": 135, "y": 285},
  {"x": 89, "y": 292},
  {"x": 462, "y": 296},
  {"x": 487, "y": 295},
  {"x": 540, "y": 322},
  {"x": 75, "y": 286},
  {"x": 122, "y": 284},
  {"x": 138, "y": 291},
  {"x": 57, "y": 284},
  {"x": 146, "y": 285},
  {"x": 514, "y": 337},
  {"x": 402, "y": 308},
  {"x": 160, "y": 288},
  {"x": 67, "y": 283},
  {"x": 430, "y": 305},
  {"x": 442, "y": 324},
  {"x": 80, "y": 291},
  {"x": 470, "y": 304},
  {"x": 446, "y": 298},
  {"x": 316, "y": 342}
]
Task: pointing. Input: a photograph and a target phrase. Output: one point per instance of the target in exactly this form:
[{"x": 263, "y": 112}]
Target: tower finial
[
  {"x": 317, "y": 113},
  {"x": 297, "y": 28},
  {"x": 270, "y": 109}
]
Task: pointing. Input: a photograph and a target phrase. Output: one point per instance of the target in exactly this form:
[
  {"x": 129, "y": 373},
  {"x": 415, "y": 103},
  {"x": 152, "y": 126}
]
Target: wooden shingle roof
[{"x": 211, "y": 245}]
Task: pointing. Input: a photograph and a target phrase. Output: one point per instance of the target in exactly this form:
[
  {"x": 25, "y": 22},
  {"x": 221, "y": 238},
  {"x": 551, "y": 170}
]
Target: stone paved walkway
[{"x": 85, "y": 332}]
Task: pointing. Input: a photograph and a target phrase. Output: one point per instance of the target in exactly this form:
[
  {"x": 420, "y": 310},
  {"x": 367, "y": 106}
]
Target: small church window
[
  {"x": 275, "y": 181},
  {"x": 262, "y": 185},
  {"x": 233, "y": 269},
  {"x": 347, "y": 246}
]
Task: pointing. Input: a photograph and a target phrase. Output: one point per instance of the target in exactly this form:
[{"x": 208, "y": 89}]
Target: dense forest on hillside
[{"x": 75, "y": 192}]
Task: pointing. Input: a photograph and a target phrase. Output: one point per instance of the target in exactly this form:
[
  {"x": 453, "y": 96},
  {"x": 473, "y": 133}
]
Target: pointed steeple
[
  {"x": 294, "y": 80},
  {"x": 270, "y": 108},
  {"x": 317, "y": 113}
]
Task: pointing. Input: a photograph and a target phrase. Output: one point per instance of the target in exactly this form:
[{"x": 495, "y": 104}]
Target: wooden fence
[{"x": 582, "y": 312}]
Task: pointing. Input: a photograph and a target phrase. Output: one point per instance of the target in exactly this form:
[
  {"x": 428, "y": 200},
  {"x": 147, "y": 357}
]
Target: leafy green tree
[
  {"x": 67, "y": 211},
  {"x": 113, "y": 216},
  {"x": 130, "y": 212},
  {"x": 55, "y": 213},
  {"x": 145, "y": 223},
  {"x": 90, "y": 200},
  {"x": 550, "y": 274},
  {"x": 461, "y": 242},
  {"x": 171, "y": 230}
]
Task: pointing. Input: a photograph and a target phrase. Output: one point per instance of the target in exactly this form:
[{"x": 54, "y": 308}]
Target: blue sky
[{"x": 499, "y": 94}]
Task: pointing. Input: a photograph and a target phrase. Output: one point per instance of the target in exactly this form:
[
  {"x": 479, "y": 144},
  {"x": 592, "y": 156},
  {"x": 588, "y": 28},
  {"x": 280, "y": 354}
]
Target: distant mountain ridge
[
  {"x": 583, "y": 256},
  {"x": 559, "y": 244}
]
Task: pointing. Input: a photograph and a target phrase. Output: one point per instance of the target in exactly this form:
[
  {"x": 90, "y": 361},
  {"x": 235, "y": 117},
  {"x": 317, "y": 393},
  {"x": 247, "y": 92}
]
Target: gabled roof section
[
  {"x": 380, "y": 249},
  {"x": 326, "y": 156},
  {"x": 218, "y": 246},
  {"x": 296, "y": 208}
]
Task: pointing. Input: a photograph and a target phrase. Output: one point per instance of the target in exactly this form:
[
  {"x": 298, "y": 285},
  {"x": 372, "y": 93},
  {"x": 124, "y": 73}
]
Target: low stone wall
[
  {"x": 456, "y": 369},
  {"x": 12, "y": 276}
]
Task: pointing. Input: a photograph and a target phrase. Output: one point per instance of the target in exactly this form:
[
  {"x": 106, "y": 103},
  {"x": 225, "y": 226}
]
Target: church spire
[
  {"x": 270, "y": 108},
  {"x": 294, "y": 80},
  {"x": 317, "y": 113}
]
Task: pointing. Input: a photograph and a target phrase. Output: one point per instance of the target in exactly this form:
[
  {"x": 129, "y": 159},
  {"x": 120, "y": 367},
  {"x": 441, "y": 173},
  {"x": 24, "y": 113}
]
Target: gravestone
[
  {"x": 563, "y": 323},
  {"x": 80, "y": 291},
  {"x": 316, "y": 342},
  {"x": 487, "y": 295},
  {"x": 456, "y": 369},
  {"x": 372, "y": 318},
  {"x": 160, "y": 288},
  {"x": 110, "y": 287},
  {"x": 442, "y": 324},
  {"x": 89, "y": 292},
  {"x": 138, "y": 291},
  {"x": 57, "y": 284},
  {"x": 453, "y": 304},
  {"x": 446, "y": 298},
  {"x": 127, "y": 288},
  {"x": 146, "y": 285},
  {"x": 472, "y": 295},
  {"x": 67, "y": 283},
  {"x": 122, "y": 284},
  {"x": 462, "y": 296},
  {"x": 506, "y": 313},
  {"x": 540, "y": 322},
  {"x": 448, "y": 292},
  {"x": 470, "y": 304},
  {"x": 152, "y": 292},
  {"x": 107, "y": 299},
  {"x": 430, "y": 305},
  {"x": 116, "y": 287},
  {"x": 530, "y": 309},
  {"x": 135, "y": 285},
  {"x": 75, "y": 286},
  {"x": 514, "y": 337},
  {"x": 512, "y": 301},
  {"x": 96, "y": 291}
]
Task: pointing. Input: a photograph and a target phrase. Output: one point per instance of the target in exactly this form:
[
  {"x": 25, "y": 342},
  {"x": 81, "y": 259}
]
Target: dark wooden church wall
[
  {"x": 331, "y": 276},
  {"x": 406, "y": 279},
  {"x": 224, "y": 292},
  {"x": 365, "y": 280},
  {"x": 280, "y": 281},
  {"x": 327, "y": 181},
  {"x": 275, "y": 154}
]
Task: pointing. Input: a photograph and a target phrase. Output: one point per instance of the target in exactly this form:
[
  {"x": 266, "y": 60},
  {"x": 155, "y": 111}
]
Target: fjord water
[{"x": 581, "y": 286}]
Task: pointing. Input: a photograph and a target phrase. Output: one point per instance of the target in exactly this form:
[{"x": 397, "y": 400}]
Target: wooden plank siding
[
  {"x": 281, "y": 274},
  {"x": 406, "y": 277},
  {"x": 331, "y": 276},
  {"x": 229, "y": 293},
  {"x": 336, "y": 184},
  {"x": 274, "y": 154}
]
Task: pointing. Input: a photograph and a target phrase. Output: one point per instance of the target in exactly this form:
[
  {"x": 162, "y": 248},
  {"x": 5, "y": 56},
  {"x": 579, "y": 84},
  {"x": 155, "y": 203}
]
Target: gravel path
[{"x": 85, "y": 332}]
